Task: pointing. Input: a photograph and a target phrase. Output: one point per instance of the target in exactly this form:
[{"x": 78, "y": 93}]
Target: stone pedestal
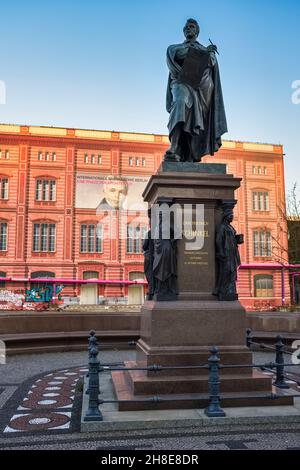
[{"x": 180, "y": 333}]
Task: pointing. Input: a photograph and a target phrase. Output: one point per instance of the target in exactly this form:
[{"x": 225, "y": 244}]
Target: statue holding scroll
[{"x": 194, "y": 99}]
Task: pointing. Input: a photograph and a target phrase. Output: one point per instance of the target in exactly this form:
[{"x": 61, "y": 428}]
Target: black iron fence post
[
  {"x": 248, "y": 338},
  {"x": 92, "y": 342},
  {"x": 280, "y": 382},
  {"x": 93, "y": 413},
  {"x": 214, "y": 410}
]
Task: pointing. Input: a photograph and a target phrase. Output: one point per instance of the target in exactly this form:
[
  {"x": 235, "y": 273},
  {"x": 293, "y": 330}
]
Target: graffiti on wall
[
  {"x": 34, "y": 299},
  {"x": 42, "y": 294},
  {"x": 10, "y": 300}
]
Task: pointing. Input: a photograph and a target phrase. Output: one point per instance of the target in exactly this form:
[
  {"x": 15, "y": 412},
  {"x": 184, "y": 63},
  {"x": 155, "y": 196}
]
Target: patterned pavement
[
  {"x": 43, "y": 403},
  {"x": 43, "y": 412}
]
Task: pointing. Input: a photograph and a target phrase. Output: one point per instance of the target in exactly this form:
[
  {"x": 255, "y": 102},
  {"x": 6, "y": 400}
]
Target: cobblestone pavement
[{"x": 40, "y": 404}]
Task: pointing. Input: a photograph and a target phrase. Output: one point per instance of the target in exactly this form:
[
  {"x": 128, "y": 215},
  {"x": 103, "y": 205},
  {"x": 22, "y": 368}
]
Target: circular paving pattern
[
  {"x": 48, "y": 402},
  {"x": 27, "y": 422}
]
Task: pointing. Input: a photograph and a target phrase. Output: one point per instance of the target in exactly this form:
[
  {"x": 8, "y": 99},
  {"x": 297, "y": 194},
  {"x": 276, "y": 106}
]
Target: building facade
[{"x": 57, "y": 190}]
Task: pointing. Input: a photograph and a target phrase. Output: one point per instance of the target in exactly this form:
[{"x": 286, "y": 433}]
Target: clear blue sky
[{"x": 101, "y": 64}]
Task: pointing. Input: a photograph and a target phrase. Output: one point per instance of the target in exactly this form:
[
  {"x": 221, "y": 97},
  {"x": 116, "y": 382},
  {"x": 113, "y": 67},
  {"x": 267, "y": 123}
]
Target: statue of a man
[
  {"x": 194, "y": 99},
  {"x": 165, "y": 262},
  {"x": 148, "y": 252},
  {"x": 227, "y": 254}
]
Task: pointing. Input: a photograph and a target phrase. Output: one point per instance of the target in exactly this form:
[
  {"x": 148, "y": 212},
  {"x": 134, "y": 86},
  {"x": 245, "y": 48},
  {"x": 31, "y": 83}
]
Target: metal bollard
[
  {"x": 93, "y": 413},
  {"x": 214, "y": 410},
  {"x": 92, "y": 342},
  {"x": 280, "y": 382},
  {"x": 248, "y": 338}
]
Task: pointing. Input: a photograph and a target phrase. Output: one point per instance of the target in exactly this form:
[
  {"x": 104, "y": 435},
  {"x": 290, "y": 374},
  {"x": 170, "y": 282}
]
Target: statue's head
[
  {"x": 191, "y": 29},
  {"x": 229, "y": 217},
  {"x": 228, "y": 207}
]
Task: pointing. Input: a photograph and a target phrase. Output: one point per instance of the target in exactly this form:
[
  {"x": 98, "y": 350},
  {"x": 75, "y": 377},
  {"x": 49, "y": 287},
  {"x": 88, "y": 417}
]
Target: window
[
  {"x": 51, "y": 237},
  {"x": 86, "y": 158},
  {"x": 4, "y": 154},
  {"x": 93, "y": 158},
  {"x": 91, "y": 238},
  {"x": 45, "y": 190},
  {"x": 47, "y": 157},
  {"x": 135, "y": 236},
  {"x": 260, "y": 201},
  {"x": 262, "y": 245},
  {"x": 259, "y": 170},
  {"x": 3, "y": 236},
  {"x": 2, "y": 283},
  {"x": 44, "y": 237},
  {"x": 99, "y": 159},
  {"x": 41, "y": 274},
  {"x": 40, "y": 156},
  {"x": 54, "y": 157},
  {"x": 3, "y": 188},
  {"x": 52, "y": 190},
  {"x": 137, "y": 161},
  {"x": 263, "y": 285}
]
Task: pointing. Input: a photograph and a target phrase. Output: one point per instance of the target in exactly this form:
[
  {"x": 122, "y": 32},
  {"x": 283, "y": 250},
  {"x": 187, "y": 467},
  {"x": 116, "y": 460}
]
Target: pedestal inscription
[{"x": 196, "y": 267}]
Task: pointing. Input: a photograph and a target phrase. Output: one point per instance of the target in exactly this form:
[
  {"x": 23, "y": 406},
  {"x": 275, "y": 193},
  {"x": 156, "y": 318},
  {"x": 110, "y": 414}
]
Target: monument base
[{"x": 180, "y": 334}]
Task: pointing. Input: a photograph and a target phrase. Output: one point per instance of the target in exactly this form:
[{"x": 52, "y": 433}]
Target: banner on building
[{"x": 110, "y": 192}]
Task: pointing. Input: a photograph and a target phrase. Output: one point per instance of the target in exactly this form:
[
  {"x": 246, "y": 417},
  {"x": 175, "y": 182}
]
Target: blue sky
[{"x": 101, "y": 64}]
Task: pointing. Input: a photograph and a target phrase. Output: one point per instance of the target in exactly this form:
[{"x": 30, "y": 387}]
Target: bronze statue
[
  {"x": 194, "y": 99},
  {"x": 165, "y": 263},
  {"x": 227, "y": 255},
  {"x": 148, "y": 252}
]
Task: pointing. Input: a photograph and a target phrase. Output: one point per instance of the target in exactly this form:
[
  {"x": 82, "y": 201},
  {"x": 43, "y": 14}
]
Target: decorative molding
[
  {"x": 47, "y": 131},
  {"x": 93, "y": 134},
  {"x": 228, "y": 144},
  {"x": 258, "y": 147},
  {"x": 9, "y": 128},
  {"x": 137, "y": 137}
]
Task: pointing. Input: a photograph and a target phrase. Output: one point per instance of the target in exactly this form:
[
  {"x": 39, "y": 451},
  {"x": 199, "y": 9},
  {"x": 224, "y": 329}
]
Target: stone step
[
  {"x": 133, "y": 402},
  {"x": 141, "y": 384}
]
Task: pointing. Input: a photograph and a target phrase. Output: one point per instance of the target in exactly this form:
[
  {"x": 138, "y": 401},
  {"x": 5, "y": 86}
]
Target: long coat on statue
[{"x": 201, "y": 109}]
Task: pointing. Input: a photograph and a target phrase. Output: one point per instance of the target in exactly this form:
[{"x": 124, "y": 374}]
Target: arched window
[
  {"x": 260, "y": 201},
  {"x": 262, "y": 243},
  {"x": 40, "y": 274},
  {"x": 263, "y": 285},
  {"x": 44, "y": 237},
  {"x": 91, "y": 236},
  {"x": 45, "y": 189},
  {"x": 90, "y": 275},
  {"x": 135, "y": 236}
]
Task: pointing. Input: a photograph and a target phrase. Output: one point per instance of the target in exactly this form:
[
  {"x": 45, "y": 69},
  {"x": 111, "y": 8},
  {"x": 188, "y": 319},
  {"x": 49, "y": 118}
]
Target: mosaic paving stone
[{"x": 47, "y": 404}]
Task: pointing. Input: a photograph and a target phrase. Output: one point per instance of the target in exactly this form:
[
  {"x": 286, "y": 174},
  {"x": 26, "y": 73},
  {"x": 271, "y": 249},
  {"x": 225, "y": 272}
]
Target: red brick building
[{"x": 51, "y": 224}]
